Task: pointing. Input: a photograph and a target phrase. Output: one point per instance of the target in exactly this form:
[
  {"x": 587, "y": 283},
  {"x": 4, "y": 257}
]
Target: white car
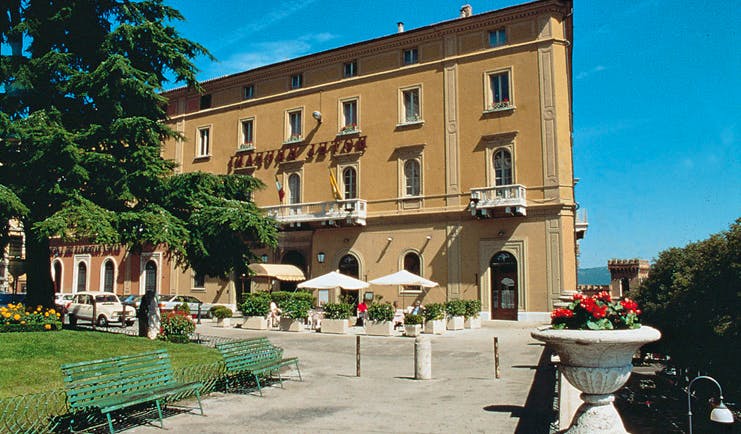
[
  {"x": 108, "y": 309},
  {"x": 61, "y": 301},
  {"x": 168, "y": 303}
]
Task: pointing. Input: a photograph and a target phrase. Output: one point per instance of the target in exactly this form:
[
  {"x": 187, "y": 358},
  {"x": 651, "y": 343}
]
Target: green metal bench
[
  {"x": 119, "y": 382},
  {"x": 257, "y": 357}
]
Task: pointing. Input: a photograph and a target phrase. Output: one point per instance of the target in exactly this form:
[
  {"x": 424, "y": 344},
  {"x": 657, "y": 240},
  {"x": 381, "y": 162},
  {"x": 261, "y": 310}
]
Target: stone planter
[
  {"x": 412, "y": 329},
  {"x": 435, "y": 327},
  {"x": 455, "y": 323},
  {"x": 255, "y": 323},
  {"x": 337, "y": 326},
  {"x": 597, "y": 362},
  {"x": 379, "y": 328},
  {"x": 291, "y": 325},
  {"x": 472, "y": 323},
  {"x": 223, "y": 322}
]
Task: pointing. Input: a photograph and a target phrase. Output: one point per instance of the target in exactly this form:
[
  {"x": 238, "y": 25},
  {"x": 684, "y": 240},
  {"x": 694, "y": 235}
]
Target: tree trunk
[{"x": 40, "y": 289}]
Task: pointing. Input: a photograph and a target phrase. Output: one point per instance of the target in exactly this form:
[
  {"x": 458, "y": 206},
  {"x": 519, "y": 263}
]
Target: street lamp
[
  {"x": 320, "y": 257},
  {"x": 264, "y": 258},
  {"x": 720, "y": 413}
]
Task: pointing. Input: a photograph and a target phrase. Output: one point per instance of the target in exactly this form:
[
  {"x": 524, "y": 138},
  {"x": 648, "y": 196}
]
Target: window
[
  {"x": 248, "y": 92},
  {"x": 294, "y": 188},
  {"x": 204, "y": 142},
  {"x": 248, "y": 132},
  {"x": 108, "y": 276},
  {"x": 199, "y": 280},
  {"x": 497, "y": 37},
  {"x": 411, "y": 106},
  {"x": 81, "y": 277},
  {"x": 411, "y": 56},
  {"x": 350, "y": 182},
  {"x": 150, "y": 276},
  {"x": 349, "y": 116},
  {"x": 503, "y": 167},
  {"x": 297, "y": 81},
  {"x": 412, "y": 178},
  {"x": 412, "y": 265},
  {"x": 294, "y": 126},
  {"x": 205, "y": 101},
  {"x": 499, "y": 91},
  {"x": 350, "y": 69}
]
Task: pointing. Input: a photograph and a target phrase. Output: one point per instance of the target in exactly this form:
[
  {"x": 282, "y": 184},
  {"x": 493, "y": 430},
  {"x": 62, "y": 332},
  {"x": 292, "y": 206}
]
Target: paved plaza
[{"x": 463, "y": 395}]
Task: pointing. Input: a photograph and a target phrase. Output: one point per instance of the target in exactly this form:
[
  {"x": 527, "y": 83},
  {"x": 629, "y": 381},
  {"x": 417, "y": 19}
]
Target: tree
[
  {"x": 81, "y": 130},
  {"x": 693, "y": 295}
]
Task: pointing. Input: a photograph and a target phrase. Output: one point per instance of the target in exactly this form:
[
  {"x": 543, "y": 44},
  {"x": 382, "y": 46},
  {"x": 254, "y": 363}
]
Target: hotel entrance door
[{"x": 503, "y": 270}]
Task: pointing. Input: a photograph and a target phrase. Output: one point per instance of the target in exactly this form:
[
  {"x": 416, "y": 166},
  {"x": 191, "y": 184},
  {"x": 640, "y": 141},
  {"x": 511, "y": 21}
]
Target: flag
[
  {"x": 335, "y": 188},
  {"x": 279, "y": 187}
]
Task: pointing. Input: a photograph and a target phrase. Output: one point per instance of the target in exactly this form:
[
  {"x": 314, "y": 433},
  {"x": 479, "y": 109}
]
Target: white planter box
[
  {"x": 455, "y": 323},
  {"x": 379, "y": 328},
  {"x": 472, "y": 323},
  {"x": 338, "y": 326},
  {"x": 435, "y": 327},
  {"x": 412, "y": 329},
  {"x": 223, "y": 322},
  {"x": 291, "y": 325},
  {"x": 255, "y": 323}
]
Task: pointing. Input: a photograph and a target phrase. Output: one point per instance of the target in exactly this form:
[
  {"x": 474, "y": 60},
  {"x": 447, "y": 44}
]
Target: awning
[
  {"x": 334, "y": 280},
  {"x": 285, "y": 272}
]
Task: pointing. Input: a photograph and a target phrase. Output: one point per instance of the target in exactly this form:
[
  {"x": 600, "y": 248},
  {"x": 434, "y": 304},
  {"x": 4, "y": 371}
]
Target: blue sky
[{"x": 656, "y": 99}]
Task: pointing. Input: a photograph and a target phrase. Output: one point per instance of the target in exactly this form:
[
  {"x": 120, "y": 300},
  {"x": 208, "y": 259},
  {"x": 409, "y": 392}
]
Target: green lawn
[{"x": 29, "y": 362}]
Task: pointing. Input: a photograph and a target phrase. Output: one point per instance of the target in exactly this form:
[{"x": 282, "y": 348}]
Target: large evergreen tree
[{"x": 81, "y": 130}]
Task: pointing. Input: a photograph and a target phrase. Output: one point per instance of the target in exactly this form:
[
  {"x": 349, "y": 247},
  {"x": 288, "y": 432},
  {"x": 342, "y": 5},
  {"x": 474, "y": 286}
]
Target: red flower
[
  {"x": 630, "y": 306},
  {"x": 604, "y": 296},
  {"x": 562, "y": 313},
  {"x": 578, "y": 296}
]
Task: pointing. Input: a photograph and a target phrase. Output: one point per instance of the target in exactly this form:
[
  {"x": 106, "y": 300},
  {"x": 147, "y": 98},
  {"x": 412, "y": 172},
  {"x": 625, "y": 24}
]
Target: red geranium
[{"x": 596, "y": 312}]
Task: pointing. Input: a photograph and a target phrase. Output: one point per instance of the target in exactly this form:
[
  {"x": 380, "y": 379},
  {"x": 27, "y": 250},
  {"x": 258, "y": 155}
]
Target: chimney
[
  {"x": 466, "y": 11},
  {"x": 400, "y": 27}
]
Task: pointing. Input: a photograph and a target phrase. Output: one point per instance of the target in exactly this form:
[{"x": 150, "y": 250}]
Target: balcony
[
  {"x": 581, "y": 225},
  {"x": 350, "y": 212},
  {"x": 499, "y": 201}
]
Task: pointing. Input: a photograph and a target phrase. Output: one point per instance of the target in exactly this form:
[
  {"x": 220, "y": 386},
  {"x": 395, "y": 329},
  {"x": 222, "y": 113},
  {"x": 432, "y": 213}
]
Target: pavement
[{"x": 463, "y": 395}]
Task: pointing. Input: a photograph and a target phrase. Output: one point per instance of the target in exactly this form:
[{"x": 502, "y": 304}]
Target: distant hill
[{"x": 593, "y": 276}]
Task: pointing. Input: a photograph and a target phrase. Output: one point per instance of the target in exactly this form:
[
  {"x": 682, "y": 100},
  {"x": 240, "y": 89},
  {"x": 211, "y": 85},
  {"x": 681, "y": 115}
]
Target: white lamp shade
[{"x": 721, "y": 414}]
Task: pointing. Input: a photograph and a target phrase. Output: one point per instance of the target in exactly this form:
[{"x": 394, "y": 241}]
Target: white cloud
[{"x": 585, "y": 74}]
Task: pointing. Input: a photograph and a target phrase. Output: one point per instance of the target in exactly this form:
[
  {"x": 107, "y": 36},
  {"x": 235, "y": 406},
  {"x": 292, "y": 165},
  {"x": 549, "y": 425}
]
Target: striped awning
[{"x": 285, "y": 272}]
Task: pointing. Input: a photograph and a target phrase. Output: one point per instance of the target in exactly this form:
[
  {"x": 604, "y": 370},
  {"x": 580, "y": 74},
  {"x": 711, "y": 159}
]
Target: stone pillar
[{"x": 422, "y": 358}]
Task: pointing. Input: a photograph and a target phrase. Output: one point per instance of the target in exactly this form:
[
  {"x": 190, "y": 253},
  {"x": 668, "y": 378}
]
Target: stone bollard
[{"x": 422, "y": 358}]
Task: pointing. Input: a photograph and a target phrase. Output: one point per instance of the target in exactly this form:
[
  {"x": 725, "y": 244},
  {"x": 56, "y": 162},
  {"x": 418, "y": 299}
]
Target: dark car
[{"x": 6, "y": 298}]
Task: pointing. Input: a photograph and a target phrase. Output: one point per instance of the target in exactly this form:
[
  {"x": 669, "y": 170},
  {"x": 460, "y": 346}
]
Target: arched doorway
[
  {"x": 108, "y": 276},
  {"x": 150, "y": 276},
  {"x": 293, "y": 257},
  {"x": 81, "y": 276},
  {"x": 57, "y": 276},
  {"x": 503, "y": 269},
  {"x": 349, "y": 265}
]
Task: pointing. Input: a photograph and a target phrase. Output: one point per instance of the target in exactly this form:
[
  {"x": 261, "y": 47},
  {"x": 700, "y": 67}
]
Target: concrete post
[{"x": 422, "y": 358}]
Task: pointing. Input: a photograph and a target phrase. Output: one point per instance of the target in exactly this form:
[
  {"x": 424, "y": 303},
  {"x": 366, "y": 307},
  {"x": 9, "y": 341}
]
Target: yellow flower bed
[{"x": 17, "y": 317}]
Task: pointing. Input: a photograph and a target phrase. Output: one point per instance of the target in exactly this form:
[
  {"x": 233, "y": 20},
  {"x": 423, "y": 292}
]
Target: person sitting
[
  {"x": 416, "y": 309},
  {"x": 398, "y": 316},
  {"x": 274, "y": 314}
]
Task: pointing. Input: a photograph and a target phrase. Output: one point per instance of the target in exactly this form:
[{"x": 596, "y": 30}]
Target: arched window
[
  {"x": 412, "y": 265},
  {"x": 503, "y": 167},
  {"x": 150, "y": 276},
  {"x": 412, "y": 178},
  {"x": 81, "y": 276},
  {"x": 349, "y": 265},
  {"x": 57, "y": 276},
  {"x": 349, "y": 178},
  {"x": 108, "y": 272},
  {"x": 294, "y": 188}
]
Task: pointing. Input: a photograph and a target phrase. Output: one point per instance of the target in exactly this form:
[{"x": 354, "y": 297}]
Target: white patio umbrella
[
  {"x": 334, "y": 280},
  {"x": 403, "y": 277}
]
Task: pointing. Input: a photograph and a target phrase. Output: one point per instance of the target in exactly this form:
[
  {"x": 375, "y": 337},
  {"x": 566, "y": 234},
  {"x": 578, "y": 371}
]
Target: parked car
[
  {"x": 62, "y": 301},
  {"x": 108, "y": 308},
  {"x": 132, "y": 300},
  {"x": 168, "y": 303}
]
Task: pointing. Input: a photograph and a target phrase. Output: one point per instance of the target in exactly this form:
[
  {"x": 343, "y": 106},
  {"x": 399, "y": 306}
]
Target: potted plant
[
  {"x": 434, "y": 314},
  {"x": 295, "y": 310},
  {"x": 336, "y": 317},
  {"x": 456, "y": 311},
  {"x": 223, "y": 316},
  {"x": 413, "y": 324},
  {"x": 255, "y": 308},
  {"x": 380, "y": 320},
  {"x": 176, "y": 327},
  {"x": 473, "y": 309},
  {"x": 595, "y": 338}
]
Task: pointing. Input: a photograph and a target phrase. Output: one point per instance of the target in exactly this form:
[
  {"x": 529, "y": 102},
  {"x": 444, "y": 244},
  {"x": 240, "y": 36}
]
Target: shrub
[
  {"x": 176, "y": 326},
  {"x": 473, "y": 308},
  {"x": 381, "y": 312},
  {"x": 338, "y": 310},
  {"x": 412, "y": 319},
  {"x": 434, "y": 311},
  {"x": 18, "y": 318},
  {"x": 184, "y": 308},
  {"x": 455, "y": 308},
  {"x": 221, "y": 312},
  {"x": 295, "y": 307},
  {"x": 281, "y": 296},
  {"x": 256, "y": 304}
]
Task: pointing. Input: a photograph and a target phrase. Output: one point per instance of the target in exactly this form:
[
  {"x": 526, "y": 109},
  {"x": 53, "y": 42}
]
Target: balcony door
[{"x": 503, "y": 270}]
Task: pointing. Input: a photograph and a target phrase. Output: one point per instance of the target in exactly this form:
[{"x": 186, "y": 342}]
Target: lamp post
[{"x": 720, "y": 414}]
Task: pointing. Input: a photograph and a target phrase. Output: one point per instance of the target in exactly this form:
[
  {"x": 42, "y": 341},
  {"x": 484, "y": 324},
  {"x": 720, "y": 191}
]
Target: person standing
[{"x": 362, "y": 311}]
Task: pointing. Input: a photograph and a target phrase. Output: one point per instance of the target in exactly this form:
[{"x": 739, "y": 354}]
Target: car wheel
[
  {"x": 102, "y": 321},
  {"x": 72, "y": 320}
]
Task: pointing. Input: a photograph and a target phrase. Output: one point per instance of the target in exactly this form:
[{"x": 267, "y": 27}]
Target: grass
[{"x": 30, "y": 361}]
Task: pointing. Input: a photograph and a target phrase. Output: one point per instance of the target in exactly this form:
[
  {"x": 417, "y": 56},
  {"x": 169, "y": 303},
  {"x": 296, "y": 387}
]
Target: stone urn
[{"x": 596, "y": 362}]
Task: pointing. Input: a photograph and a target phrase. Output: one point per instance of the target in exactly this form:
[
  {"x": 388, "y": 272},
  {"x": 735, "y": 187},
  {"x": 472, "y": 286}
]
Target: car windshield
[
  {"x": 165, "y": 298},
  {"x": 105, "y": 298}
]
